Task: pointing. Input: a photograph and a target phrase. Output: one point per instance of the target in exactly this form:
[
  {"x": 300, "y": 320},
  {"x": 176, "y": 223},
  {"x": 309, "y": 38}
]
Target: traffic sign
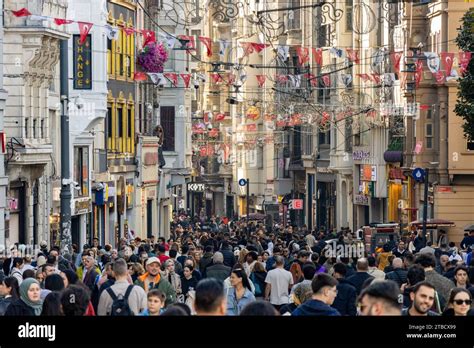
[
  {"x": 419, "y": 174},
  {"x": 296, "y": 204},
  {"x": 242, "y": 182}
]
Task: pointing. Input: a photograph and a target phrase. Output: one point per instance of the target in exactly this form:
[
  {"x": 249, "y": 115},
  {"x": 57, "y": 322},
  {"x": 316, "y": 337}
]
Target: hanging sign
[{"x": 82, "y": 60}]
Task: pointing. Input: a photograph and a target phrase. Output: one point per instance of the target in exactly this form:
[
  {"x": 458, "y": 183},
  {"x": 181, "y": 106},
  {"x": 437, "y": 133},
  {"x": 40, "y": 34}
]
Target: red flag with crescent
[
  {"x": 84, "y": 29},
  {"x": 447, "y": 59}
]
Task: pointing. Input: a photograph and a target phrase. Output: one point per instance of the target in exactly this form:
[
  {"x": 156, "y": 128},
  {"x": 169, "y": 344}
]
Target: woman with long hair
[
  {"x": 239, "y": 294},
  {"x": 17, "y": 269},
  {"x": 9, "y": 292},
  {"x": 29, "y": 303},
  {"x": 459, "y": 303},
  {"x": 188, "y": 281},
  {"x": 173, "y": 278},
  {"x": 258, "y": 276}
]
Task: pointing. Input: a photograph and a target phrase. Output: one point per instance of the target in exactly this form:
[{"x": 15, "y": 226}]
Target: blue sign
[
  {"x": 242, "y": 182},
  {"x": 419, "y": 174}
]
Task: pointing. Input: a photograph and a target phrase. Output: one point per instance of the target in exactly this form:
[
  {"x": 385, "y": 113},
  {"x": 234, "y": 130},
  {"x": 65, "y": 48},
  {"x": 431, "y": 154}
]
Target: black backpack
[{"x": 120, "y": 305}]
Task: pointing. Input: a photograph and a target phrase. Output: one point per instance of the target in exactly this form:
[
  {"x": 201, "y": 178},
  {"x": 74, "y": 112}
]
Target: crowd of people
[{"x": 220, "y": 267}]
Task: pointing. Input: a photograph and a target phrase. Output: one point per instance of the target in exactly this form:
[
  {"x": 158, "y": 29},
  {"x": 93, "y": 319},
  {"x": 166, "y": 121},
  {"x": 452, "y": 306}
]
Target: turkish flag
[
  {"x": 261, "y": 80},
  {"x": 230, "y": 79},
  {"x": 364, "y": 77},
  {"x": 326, "y": 80},
  {"x": 139, "y": 76},
  {"x": 259, "y": 46},
  {"x": 128, "y": 31},
  {"x": 318, "y": 56},
  {"x": 353, "y": 55},
  {"x": 464, "y": 59},
  {"x": 419, "y": 72},
  {"x": 220, "y": 117},
  {"x": 447, "y": 59},
  {"x": 424, "y": 107},
  {"x": 21, "y": 13},
  {"x": 326, "y": 117},
  {"x": 440, "y": 77},
  {"x": 186, "y": 78},
  {"x": 148, "y": 37},
  {"x": 248, "y": 48},
  {"x": 173, "y": 77},
  {"x": 208, "y": 43},
  {"x": 396, "y": 57},
  {"x": 84, "y": 29},
  {"x": 312, "y": 80},
  {"x": 282, "y": 78},
  {"x": 60, "y": 21},
  {"x": 375, "y": 78},
  {"x": 215, "y": 77},
  {"x": 303, "y": 55}
]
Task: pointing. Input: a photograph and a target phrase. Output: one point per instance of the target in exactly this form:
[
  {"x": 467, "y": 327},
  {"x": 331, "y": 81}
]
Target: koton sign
[{"x": 296, "y": 204}]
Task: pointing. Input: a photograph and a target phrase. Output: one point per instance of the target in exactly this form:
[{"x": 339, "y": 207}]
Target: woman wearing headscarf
[{"x": 29, "y": 303}]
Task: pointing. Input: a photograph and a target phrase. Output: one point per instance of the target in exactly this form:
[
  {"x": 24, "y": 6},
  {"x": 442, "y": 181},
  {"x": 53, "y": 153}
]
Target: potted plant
[{"x": 152, "y": 58}]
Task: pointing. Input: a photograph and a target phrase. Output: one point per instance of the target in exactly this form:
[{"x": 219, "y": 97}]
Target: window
[
  {"x": 167, "y": 121},
  {"x": 120, "y": 128},
  {"x": 109, "y": 128},
  {"x": 294, "y": 16},
  {"x": 307, "y": 135},
  {"x": 296, "y": 143},
  {"x": 34, "y": 129},
  {"x": 109, "y": 56},
  {"x": 470, "y": 145},
  {"x": 324, "y": 138},
  {"x": 42, "y": 133},
  {"x": 26, "y": 127},
  {"x": 198, "y": 51},
  {"x": 348, "y": 135},
  {"x": 429, "y": 135},
  {"x": 129, "y": 123},
  {"x": 81, "y": 171},
  {"x": 349, "y": 14}
]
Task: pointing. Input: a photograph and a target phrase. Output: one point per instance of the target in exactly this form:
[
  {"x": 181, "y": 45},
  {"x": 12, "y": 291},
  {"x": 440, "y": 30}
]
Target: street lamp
[{"x": 425, "y": 203}]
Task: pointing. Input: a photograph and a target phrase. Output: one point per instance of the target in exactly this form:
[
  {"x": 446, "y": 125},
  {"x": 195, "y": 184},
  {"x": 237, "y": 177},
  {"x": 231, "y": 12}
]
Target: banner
[
  {"x": 258, "y": 47},
  {"x": 303, "y": 55},
  {"x": 396, "y": 57},
  {"x": 21, "y": 13},
  {"x": 261, "y": 80},
  {"x": 216, "y": 77},
  {"x": 464, "y": 59},
  {"x": 60, "y": 21},
  {"x": 148, "y": 37},
  {"x": 128, "y": 31},
  {"x": 448, "y": 60},
  {"x": 223, "y": 46},
  {"x": 283, "y": 51},
  {"x": 112, "y": 32},
  {"x": 173, "y": 77},
  {"x": 190, "y": 44},
  {"x": 208, "y": 43},
  {"x": 353, "y": 55},
  {"x": 156, "y": 78},
  {"x": 84, "y": 29},
  {"x": 318, "y": 56},
  {"x": 440, "y": 77},
  {"x": 139, "y": 76},
  {"x": 432, "y": 61},
  {"x": 346, "y": 79},
  {"x": 186, "y": 78}
]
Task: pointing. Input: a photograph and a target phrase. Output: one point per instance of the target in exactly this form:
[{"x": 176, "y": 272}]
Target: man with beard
[{"x": 422, "y": 297}]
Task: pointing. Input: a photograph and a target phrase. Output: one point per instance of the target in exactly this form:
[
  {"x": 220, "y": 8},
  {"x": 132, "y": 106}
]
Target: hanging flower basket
[{"x": 152, "y": 58}]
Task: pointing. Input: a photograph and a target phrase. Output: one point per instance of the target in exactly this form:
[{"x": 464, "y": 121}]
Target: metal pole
[
  {"x": 248, "y": 204},
  {"x": 425, "y": 204},
  {"x": 65, "y": 196}
]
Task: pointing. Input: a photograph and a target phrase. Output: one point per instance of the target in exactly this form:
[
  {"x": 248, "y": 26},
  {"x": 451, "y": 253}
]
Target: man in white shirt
[{"x": 279, "y": 282}]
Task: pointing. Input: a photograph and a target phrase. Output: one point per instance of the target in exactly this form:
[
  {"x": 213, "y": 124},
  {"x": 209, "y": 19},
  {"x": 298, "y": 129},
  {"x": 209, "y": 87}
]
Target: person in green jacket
[{"x": 152, "y": 280}]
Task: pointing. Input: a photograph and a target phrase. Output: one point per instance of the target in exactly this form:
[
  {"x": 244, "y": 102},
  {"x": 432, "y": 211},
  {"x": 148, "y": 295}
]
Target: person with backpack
[
  {"x": 122, "y": 298},
  {"x": 258, "y": 276}
]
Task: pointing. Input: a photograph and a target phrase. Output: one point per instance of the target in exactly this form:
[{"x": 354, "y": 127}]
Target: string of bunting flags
[{"x": 440, "y": 65}]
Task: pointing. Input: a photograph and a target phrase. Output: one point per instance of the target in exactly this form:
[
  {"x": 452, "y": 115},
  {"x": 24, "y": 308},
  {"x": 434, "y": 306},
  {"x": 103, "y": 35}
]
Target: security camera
[{"x": 79, "y": 102}]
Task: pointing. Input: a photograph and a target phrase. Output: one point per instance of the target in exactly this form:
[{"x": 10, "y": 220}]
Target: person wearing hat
[{"x": 152, "y": 279}]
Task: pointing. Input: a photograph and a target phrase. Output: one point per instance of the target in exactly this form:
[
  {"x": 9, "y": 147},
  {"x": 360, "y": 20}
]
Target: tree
[{"x": 465, "y": 102}]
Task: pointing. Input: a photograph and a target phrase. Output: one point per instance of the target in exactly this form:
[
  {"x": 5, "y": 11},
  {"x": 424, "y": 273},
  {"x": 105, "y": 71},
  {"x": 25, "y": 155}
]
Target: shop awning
[{"x": 433, "y": 222}]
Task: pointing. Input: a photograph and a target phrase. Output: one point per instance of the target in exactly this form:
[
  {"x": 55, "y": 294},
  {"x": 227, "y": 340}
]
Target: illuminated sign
[{"x": 82, "y": 63}]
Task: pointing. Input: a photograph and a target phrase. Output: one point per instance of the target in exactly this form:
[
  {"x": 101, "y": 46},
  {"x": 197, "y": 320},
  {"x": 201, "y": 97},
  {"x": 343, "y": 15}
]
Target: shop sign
[
  {"x": 360, "y": 155},
  {"x": 82, "y": 206},
  {"x": 361, "y": 200}
]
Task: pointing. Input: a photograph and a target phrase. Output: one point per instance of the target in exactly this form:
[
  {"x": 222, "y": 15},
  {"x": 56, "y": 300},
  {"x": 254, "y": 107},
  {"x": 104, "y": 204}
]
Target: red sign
[
  {"x": 444, "y": 189},
  {"x": 296, "y": 204}
]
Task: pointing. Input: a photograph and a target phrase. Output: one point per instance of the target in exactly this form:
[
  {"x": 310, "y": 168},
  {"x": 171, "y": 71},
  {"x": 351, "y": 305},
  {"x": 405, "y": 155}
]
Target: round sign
[
  {"x": 242, "y": 182},
  {"x": 419, "y": 174}
]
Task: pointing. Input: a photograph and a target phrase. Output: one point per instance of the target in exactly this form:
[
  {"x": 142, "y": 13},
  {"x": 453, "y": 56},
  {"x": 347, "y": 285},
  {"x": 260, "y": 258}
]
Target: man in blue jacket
[{"x": 324, "y": 293}]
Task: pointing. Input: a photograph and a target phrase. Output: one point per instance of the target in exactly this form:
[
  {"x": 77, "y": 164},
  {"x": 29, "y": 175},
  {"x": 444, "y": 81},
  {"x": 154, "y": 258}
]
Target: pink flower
[{"x": 152, "y": 58}]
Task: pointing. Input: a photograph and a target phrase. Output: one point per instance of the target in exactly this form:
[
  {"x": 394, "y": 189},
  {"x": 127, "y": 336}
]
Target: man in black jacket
[
  {"x": 345, "y": 301},
  {"x": 218, "y": 270},
  {"x": 229, "y": 258},
  {"x": 398, "y": 275},
  {"x": 361, "y": 275},
  {"x": 206, "y": 259}
]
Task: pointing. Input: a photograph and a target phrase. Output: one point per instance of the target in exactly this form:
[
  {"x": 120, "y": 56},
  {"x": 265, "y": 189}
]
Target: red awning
[{"x": 433, "y": 222}]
